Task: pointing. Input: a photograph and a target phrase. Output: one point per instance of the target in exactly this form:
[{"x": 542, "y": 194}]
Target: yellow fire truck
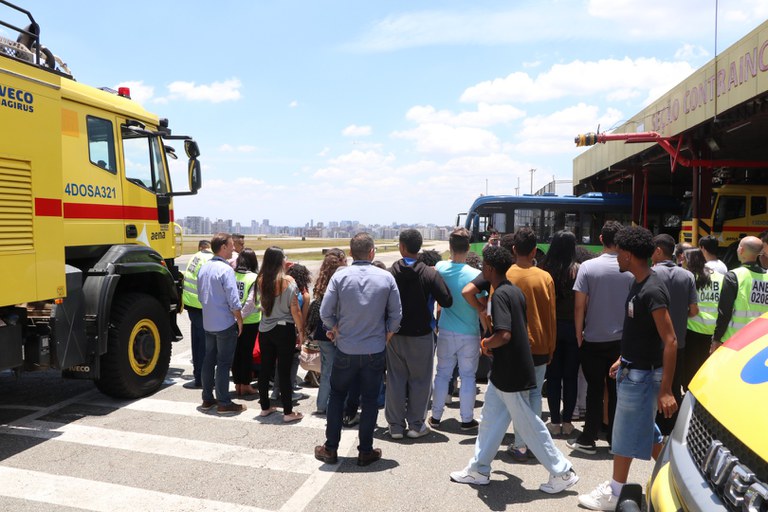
[
  {"x": 87, "y": 242},
  {"x": 736, "y": 211}
]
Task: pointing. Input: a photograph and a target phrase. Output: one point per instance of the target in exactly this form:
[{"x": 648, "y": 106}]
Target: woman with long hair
[
  {"x": 702, "y": 326},
  {"x": 280, "y": 322},
  {"x": 242, "y": 366},
  {"x": 334, "y": 259},
  {"x": 563, "y": 371},
  {"x": 303, "y": 278}
]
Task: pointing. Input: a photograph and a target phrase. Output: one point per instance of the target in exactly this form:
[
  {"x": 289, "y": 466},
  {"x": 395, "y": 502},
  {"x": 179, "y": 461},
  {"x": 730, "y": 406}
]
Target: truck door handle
[{"x": 131, "y": 231}]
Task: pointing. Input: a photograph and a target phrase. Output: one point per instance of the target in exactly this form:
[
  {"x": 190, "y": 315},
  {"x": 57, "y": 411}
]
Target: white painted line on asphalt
[
  {"x": 39, "y": 413},
  {"x": 319, "y": 478},
  {"x": 19, "y": 407},
  {"x": 182, "y": 359},
  {"x": 190, "y": 409},
  {"x": 85, "y": 494},
  {"x": 190, "y": 449}
]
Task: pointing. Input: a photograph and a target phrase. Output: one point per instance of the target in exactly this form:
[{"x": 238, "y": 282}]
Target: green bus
[{"x": 583, "y": 215}]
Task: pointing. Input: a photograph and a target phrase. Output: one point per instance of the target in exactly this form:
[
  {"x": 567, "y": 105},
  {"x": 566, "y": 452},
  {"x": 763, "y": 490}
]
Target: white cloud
[
  {"x": 243, "y": 148},
  {"x": 616, "y": 79},
  {"x": 293, "y": 104},
  {"x": 554, "y": 133},
  {"x": 485, "y": 116},
  {"x": 450, "y": 140},
  {"x": 140, "y": 93},
  {"x": 356, "y": 131},
  {"x": 690, "y": 52},
  {"x": 324, "y": 152},
  {"x": 216, "y": 92},
  {"x": 545, "y": 21}
]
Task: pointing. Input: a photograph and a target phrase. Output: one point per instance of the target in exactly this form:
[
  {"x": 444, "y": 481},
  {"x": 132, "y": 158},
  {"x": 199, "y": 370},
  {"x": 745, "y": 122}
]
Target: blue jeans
[
  {"x": 327, "y": 352},
  {"x": 533, "y": 398},
  {"x": 499, "y": 409},
  {"x": 368, "y": 369},
  {"x": 455, "y": 348},
  {"x": 219, "y": 353},
  {"x": 197, "y": 333},
  {"x": 634, "y": 426}
]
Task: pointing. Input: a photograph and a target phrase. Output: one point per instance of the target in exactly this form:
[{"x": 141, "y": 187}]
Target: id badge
[{"x": 631, "y": 309}]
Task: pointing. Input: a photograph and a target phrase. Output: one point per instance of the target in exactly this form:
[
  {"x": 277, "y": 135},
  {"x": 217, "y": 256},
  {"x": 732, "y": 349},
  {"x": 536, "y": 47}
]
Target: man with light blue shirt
[
  {"x": 361, "y": 311},
  {"x": 223, "y": 323},
  {"x": 458, "y": 340}
]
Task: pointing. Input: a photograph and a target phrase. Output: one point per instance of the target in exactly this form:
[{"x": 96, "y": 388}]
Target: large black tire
[{"x": 138, "y": 349}]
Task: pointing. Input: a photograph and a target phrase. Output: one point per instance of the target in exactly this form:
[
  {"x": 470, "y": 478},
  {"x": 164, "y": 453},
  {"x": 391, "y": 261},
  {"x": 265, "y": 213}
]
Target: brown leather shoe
[
  {"x": 229, "y": 409},
  {"x": 365, "y": 458},
  {"x": 208, "y": 404},
  {"x": 323, "y": 454}
]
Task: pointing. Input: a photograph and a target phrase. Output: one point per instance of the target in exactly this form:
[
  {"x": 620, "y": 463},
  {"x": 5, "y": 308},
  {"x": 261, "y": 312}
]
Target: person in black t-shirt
[
  {"x": 645, "y": 369},
  {"x": 512, "y": 374}
]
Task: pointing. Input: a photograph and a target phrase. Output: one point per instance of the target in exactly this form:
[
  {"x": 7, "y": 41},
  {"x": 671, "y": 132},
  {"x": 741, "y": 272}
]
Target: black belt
[{"x": 640, "y": 366}]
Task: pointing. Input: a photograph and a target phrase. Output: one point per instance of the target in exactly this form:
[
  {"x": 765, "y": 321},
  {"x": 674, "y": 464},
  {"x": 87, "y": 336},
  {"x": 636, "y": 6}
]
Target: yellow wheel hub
[{"x": 144, "y": 347}]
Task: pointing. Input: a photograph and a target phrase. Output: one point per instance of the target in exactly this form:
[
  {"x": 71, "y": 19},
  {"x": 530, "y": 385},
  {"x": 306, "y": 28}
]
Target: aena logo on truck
[
  {"x": 10, "y": 97},
  {"x": 756, "y": 371}
]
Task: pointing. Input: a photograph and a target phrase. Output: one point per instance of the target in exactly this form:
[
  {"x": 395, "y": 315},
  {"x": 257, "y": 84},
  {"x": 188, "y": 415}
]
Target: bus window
[
  {"x": 528, "y": 218},
  {"x": 499, "y": 222}
]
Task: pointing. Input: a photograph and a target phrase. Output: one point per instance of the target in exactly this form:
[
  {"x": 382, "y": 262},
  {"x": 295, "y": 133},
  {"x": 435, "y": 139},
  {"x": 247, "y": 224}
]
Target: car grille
[{"x": 702, "y": 430}]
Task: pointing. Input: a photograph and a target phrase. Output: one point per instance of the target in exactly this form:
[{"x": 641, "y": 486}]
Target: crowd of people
[{"x": 637, "y": 332}]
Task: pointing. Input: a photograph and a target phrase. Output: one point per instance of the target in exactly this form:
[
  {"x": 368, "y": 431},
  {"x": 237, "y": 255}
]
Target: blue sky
[{"x": 385, "y": 111}]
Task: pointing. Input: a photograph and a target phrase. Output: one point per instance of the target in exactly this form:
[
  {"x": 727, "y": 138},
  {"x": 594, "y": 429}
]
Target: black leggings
[
  {"x": 277, "y": 345},
  {"x": 242, "y": 365}
]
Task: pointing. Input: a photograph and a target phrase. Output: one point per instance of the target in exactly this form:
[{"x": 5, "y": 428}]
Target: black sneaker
[
  {"x": 433, "y": 422},
  {"x": 469, "y": 425},
  {"x": 588, "y": 448}
]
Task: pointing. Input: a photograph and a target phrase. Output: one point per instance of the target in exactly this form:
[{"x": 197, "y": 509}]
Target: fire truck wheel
[{"x": 139, "y": 347}]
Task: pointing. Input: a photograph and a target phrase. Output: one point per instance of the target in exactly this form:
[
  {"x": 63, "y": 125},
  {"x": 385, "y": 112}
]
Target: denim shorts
[{"x": 634, "y": 426}]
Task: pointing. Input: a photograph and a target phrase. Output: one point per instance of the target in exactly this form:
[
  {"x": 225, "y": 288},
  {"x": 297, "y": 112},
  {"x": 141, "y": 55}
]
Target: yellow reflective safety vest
[
  {"x": 708, "y": 297},
  {"x": 245, "y": 283},
  {"x": 189, "y": 294},
  {"x": 751, "y": 299}
]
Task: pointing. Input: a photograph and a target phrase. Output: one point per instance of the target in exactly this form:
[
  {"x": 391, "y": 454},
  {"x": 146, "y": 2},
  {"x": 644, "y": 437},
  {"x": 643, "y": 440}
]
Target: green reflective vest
[
  {"x": 751, "y": 299},
  {"x": 708, "y": 297},
  {"x": 245, "y": 282},
  {"x": 189, "y": 294}
]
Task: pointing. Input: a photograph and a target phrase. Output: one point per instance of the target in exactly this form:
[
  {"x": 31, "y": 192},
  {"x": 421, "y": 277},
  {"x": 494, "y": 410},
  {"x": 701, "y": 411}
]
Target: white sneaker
[
  {"x": 466, "y": 476},
  {"x": 602, "y": 498},
  {"x": 415, "y": 434},
  {"x": 559, "y": 483}
]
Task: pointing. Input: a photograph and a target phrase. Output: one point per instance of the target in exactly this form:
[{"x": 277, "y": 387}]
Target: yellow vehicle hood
[{"x": 733, "y": 385}]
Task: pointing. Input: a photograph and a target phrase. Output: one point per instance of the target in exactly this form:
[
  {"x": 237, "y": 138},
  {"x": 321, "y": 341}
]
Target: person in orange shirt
[{"x": 539, "y": 291}]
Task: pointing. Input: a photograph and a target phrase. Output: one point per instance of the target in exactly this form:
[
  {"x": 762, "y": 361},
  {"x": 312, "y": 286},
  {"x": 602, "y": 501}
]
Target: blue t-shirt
[{"x": 460, "y": 317}]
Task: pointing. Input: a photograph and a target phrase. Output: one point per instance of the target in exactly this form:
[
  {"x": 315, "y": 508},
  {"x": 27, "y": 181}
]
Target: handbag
[{"x": 309, "y": 358}]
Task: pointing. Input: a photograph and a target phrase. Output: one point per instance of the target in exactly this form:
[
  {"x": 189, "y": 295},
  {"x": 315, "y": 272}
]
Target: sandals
[
  {"x": 294, "y": 416},
  {"x": 266, "y": 412}
]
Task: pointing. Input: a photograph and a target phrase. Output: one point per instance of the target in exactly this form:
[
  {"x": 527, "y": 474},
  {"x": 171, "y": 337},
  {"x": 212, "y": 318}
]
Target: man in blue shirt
[
  {"x": 223, "y": 323},
  {"x": 458, "y": 341},
  {"x": 361, "y": 311}
]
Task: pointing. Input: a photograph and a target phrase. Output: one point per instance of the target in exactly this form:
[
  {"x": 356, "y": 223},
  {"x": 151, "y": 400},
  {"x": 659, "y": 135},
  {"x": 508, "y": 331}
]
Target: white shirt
[{"x": 717, "y": 266}]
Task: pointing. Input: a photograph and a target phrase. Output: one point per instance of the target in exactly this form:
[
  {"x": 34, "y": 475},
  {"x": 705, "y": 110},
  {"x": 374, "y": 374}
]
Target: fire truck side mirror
[
  {"x": 195, "y": 175},
  {"x": 190, "y": 147}
]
